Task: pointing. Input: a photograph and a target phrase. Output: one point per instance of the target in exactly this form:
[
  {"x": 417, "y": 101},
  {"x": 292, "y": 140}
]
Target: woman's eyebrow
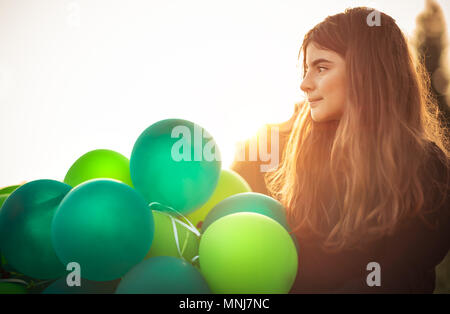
[{"x": 321, "y": 60}]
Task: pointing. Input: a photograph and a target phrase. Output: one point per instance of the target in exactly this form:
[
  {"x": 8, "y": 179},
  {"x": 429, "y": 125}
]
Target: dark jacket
[{"x": 407, "y": 259}]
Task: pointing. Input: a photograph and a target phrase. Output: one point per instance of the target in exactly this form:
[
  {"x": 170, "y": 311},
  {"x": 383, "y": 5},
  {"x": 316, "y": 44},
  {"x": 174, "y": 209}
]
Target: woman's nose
[{"x": 307, "y": 84}]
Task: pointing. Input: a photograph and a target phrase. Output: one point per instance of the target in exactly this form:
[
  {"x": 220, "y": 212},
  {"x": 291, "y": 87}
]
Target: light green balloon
[
  {"x": 164, "y": 243},
  {"x": 248, "y": 253},
  {"x": 230, "y": 183},
  {"x": 3, "y": 198},
  {"x": 9, "y": 189},
  {"x": 99, "y": 163}
]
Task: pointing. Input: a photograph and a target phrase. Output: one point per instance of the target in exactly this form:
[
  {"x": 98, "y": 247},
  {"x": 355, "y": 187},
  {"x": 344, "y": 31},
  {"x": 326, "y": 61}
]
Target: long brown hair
[{"x": 351, "y": 181}]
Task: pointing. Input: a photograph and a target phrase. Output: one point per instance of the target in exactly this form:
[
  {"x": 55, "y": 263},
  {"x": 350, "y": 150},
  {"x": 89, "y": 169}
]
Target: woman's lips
[{"x": 313, "y": 103}]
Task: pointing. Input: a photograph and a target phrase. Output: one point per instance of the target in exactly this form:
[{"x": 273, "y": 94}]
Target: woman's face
[{"x": 324, "y": 83}]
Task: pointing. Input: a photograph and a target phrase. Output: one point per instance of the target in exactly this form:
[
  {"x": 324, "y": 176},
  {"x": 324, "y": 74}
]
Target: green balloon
[
  {"x": 100, "y": 163},
  {"x": 3, "y": 199},
  {"x": 105, "y": 226},
  {"x": 86, "y": 287},
  {"x": 12, "y": 288},
  {"x": 5, "y": 266},
  {"x": 247, "y": 202},
  {"x": 25, "y": 228},
  {"x": 9, "y": 189},
  {"x": 5, "y": 192},
  {"x": 163, "y": 275},
  {"x": 164, "y": 241},
  {"x": 230, "y": 183},
  {"x": 173, "y": 164},
  {"x": 248, "y": 253}
]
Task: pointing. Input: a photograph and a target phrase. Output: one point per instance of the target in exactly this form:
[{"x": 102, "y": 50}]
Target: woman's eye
[{"x": 321, "y": 69}]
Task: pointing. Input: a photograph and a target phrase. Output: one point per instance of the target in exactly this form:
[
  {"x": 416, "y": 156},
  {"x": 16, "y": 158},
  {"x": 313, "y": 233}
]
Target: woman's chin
[{"x": 317, "y": 116}]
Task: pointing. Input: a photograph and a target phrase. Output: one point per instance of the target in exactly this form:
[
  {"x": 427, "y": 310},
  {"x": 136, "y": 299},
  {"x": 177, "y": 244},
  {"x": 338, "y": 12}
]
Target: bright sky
[{"x": 78, "y": 75}]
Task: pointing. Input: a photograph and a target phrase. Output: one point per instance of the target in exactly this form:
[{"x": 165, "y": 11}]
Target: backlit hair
[{"x": 351, "y": 181}]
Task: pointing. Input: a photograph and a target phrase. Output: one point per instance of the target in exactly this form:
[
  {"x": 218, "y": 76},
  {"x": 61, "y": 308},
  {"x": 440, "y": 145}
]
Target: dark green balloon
[
  {"x": 12, "y": 288},
  {"x": 87, "y": 287},
  {"x": 247, "y": 202},
  {"x": 105, "y": 226},
  {"x": 9, "y": 189},
  {"x": 5, "y": 192},
  {"x": 163, "y": 275},
  {"x": 180, "y": 171},
  {"x": 25, "y": 228}
]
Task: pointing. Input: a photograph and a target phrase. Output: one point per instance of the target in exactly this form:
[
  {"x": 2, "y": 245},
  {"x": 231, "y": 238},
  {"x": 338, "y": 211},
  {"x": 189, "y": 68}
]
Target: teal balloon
[
  {"x": 5, "y": 192},
  {"x": 60, "y": 286},
  {"x": 247, "y": 202},
  {"x": 105, "y": 226},
  {"x": 173, "y": 164},
  {"x": 25, "y": 228},
  {"x": 163, "y": 275}
]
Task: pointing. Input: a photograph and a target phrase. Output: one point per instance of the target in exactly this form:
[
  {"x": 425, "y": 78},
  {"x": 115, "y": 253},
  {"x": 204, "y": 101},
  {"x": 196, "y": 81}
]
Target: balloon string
[
  {"x": 177, "y": 239},
  {"x": 190, "y": 227},
  {"x": 185, "y": 242},
  {"x": 41, "y": 283},
  {"x": 15, "y": 281},
  {"x": 175, "y": 233}
]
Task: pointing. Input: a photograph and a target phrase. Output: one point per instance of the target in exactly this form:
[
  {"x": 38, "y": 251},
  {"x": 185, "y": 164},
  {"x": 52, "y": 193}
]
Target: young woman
[{"x": 364, "y": 173}]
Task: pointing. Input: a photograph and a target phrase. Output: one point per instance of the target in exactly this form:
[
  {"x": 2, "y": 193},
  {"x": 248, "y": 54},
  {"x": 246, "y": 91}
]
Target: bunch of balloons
[{"x": 168, "y": 220}]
